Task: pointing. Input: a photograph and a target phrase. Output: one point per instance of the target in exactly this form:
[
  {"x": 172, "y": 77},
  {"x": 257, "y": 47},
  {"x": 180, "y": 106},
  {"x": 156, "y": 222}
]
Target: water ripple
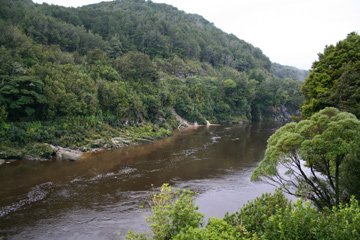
[{"x": 37, "y": 193}]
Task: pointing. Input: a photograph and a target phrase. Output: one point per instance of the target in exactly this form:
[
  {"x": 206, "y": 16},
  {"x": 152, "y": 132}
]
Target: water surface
[{"x": 107, "y": 193}]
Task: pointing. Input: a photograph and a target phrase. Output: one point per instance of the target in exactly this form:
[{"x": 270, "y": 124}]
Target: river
[{"x": 107, "y": 193}]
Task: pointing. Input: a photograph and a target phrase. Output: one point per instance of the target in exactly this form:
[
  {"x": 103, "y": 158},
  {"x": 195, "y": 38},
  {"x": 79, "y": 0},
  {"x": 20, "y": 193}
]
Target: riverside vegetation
[
  {"x": 78, "y": 77},
  {"x": 316, "y": 159},
  {"x": 271, "y": 216}
]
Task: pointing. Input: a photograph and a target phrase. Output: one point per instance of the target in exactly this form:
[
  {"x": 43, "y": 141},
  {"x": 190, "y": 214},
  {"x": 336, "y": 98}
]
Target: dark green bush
[{"x": 254, "y": 216}]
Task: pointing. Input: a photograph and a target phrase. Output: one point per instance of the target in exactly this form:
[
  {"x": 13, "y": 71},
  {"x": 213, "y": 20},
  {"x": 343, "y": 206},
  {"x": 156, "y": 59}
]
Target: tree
[
  {"x": 175, "y": 216},
  {"x": 270, "y": 216},
  {"x": 346, "y": 92},
  {"x": 136, "y": 66},
  {"x": 113, "y": 98},
  {"x": 22, "y": 96},
  {"x": 254, "y": 215},
  {"x": 273, "y": 216},
  {"x": 123, "y": 63},
  {"x": 173, "y": 211},
  {"x": 214, "y": 230},
  {"x": 313, "y": 158},
  {"x": 336, "y": 69}
]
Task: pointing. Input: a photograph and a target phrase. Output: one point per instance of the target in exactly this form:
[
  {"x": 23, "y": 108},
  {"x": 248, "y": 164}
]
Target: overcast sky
[{"x": 290, "y": 32}]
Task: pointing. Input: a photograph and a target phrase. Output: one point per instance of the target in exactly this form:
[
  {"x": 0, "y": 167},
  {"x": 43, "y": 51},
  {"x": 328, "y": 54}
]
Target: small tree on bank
[{"x": 317, "y": 159}]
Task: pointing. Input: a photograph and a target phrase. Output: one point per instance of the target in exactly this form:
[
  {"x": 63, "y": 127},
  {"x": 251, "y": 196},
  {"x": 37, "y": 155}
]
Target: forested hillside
[
  {"x": 76, "y": 77},
  {"x": 315, "y": 159},
  {"x": 283, "y": 72},
  {"x": 334, "y": 79}
]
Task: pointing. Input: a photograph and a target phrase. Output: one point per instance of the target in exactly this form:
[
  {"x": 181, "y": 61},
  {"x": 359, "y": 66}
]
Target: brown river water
[{"x": 107, "y": 193}]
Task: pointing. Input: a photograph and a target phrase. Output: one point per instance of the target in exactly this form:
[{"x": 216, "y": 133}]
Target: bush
[
  {"x": 270, "y": 216},
  {"x": 255, "y": 214},
  {"x": 9, "y": 151},
  {"x": 173, "y": 211},
  {"x": 214, "y": 230},
  {"x": 42, "y": 150},
  {"x": 273, "y": 217},
  {"x": 297, "y": 221}
]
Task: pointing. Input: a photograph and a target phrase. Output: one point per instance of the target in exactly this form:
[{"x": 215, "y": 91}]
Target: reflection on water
[{"x": 100, "y": 197}]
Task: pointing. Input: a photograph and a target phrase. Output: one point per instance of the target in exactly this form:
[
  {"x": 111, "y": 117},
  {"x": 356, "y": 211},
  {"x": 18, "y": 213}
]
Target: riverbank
[
  {"x": 73, "y": 141},
  {"x": 107, "y": 192}
]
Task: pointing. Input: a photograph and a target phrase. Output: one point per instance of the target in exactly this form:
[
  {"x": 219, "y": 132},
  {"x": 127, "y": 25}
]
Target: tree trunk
[{"x": 337, "y": 193}]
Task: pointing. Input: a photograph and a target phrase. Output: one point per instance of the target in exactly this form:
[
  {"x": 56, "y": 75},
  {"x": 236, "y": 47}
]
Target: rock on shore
[{"x": 67, "y": 154}]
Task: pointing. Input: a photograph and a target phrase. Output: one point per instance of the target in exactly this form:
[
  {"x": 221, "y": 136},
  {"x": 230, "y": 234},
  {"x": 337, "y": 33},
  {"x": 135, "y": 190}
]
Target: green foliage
[
  {"x": 146, "y": 132},
  {"x": 135, "y": 236},
  {"x": 114, "y": 98},
  {"x": 296, "y": 221},
  {"x": 229, "y": 84},
  {"x": 127, "y": 64},
  {"x": 214, "y": 230},
  {"x": 347, "y": 218},
  {"x": 302, "y": 221},
  {"x": 334, "y": 78},
  {"x": 255, "y": 214},
  {"x": 276, "y": 98},
  {"x": 69, "y": 90},
  {"x": 284, "y": 72},
  {"x": 3, "y": 115},
  {"x": 22, "y": 97},
  {"x": 39, "y": 150},
  {"x": 346, "y": 94},
  {"x": 9, "y": 151},
  {"x": 136, "y": 66},
  {"x": 173, "y": 212},
  {"x": 270, "y": 216},
  {"x": 274, "y": 217},
  {"x": 316, "y": 154}
]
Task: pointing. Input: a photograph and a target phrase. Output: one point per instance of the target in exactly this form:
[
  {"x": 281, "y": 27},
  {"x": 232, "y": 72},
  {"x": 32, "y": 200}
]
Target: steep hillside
[
  {"x": 161, "y": 30},
  {"x": 282, "y": 72},
  {"x": 76, "y": 77}
]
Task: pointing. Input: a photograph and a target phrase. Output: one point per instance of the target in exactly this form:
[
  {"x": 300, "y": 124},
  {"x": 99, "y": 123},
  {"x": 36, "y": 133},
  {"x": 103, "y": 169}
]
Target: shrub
[
  {"x": 214, "y": 230},
  {"x": 173, "y": 211},
  {"x": 255, "y": 214}
]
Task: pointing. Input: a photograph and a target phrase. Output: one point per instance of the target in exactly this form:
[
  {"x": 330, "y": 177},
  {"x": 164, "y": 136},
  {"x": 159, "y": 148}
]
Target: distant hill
[
  {"x": 69, "y": 75},
  {"x": 282, "y": 72},
  {"x": 160, "y": 30}
]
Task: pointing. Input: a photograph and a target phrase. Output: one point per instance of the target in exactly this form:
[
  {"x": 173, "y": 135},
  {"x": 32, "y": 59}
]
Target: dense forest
[
  {"x": 282, "y": 72},
  {"x": 79, "y": 77},
  {"x": 334, "y": 78},
  {"x": 315, "y": 159},
  {"x": 75, "y": 77},
  {"x": 321, "y": 152}
]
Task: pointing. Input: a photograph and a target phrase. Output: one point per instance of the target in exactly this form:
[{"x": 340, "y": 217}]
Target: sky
[{"x": 289, "y": 32}]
